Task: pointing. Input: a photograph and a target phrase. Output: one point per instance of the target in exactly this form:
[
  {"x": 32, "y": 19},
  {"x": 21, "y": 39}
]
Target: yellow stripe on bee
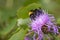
[{"x": 30, "y": 13}]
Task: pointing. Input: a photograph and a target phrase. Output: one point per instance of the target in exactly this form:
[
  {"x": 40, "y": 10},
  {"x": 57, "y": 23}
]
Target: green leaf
[
  {"x": 7, "y": 13},
  {"x": 27, "y": 2},
  {"x": 23, "y": 12},
  {"x": 58, "y": 21},
  {"x": 23, "y": 23},
  {"x": 19, "y": 35},
  {"x": 11, "y": 26},
  {"x": 58, "y": 37}
]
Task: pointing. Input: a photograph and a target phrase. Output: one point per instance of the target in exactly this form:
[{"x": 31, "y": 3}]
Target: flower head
[{"x": 42, "y": 22}]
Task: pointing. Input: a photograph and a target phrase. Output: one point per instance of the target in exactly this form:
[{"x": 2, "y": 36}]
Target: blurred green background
[{"x": 11, "y": 10}]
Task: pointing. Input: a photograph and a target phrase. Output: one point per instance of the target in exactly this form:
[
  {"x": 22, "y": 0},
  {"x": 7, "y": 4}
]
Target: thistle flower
[{"x": 42, "y": 22}]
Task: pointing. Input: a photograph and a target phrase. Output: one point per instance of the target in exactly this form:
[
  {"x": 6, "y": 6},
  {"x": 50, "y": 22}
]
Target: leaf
[
  {"x": 19, "y": 35},
  {"x": 23, "y": 23},
  {"x": 7, "y": 13},
  {"x": 58, "y": 21},
  {"x": 23, "y": 12},
  {"x": 9, "y": 27},
  {"x": 58, "y": 37},
  {"x": 27, "y": 2}
]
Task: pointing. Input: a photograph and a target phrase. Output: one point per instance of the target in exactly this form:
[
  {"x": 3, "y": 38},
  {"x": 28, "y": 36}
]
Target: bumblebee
[{"x": 35, "y": 13}]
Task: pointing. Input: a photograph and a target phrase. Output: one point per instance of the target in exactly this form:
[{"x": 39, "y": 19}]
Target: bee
[
  {"x": 35, "y": 13},
  {"x": 32, "y": 14}
]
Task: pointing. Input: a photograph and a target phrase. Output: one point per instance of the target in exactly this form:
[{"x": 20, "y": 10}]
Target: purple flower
[
  {"x": 27, "y": 38},
  {"x": 40, "y": 19}
]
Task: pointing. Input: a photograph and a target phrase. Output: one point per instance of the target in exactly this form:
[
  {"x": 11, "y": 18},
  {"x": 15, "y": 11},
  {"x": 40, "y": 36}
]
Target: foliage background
[{"x": 11, "y": 10}]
